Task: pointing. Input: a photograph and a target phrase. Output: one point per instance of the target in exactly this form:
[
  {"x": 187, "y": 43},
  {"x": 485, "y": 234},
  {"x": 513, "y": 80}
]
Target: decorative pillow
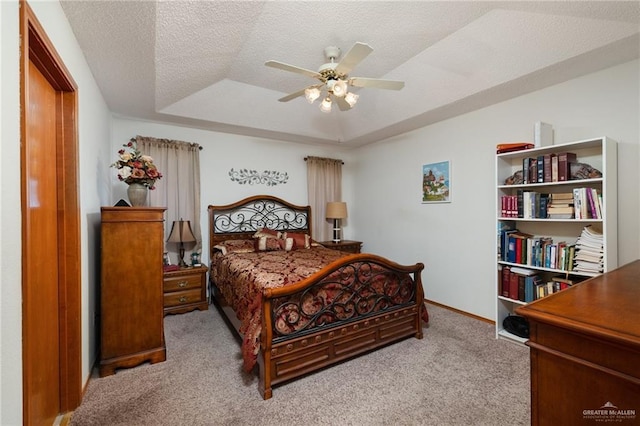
[
  {"x": 287, "y": 244},
  {"x": 266, "y": 232},
  {"x": 236, "y": 246},
  {"x": 301, "y": 240},
  {"x": 267, "y": 244}
]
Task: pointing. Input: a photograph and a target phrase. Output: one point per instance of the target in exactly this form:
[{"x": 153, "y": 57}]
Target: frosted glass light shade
[
  {"x": 325, "y": 106},
  {"x": 351, "y": 98},
  {"x": 338, "y": 87},
  {"x": 311, "y": 93}
]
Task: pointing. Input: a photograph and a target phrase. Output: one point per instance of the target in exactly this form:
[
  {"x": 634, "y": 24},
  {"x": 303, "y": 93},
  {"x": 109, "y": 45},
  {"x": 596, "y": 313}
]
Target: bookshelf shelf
[
  {"x": 553, "y": 270},
  {"x": 521, "y": 219},
  {"x": 512, "y": 337},
  {"x": 557, "y": 184},
  {"x": 508, "y": 299},
  {"x": 545, "y": 250}
]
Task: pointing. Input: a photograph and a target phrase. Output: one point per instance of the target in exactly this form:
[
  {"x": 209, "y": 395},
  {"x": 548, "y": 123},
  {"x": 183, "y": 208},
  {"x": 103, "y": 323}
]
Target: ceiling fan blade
[
  {"x": 292, "y": 68},
  {"x": 293, "y": 95},
  {"x": 342, "y": 104},
  {"x": 357, "y": 53},
  {"x": 376, "y": 83}
]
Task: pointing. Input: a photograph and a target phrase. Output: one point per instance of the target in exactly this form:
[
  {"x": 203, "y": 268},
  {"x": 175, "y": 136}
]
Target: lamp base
[
  {"x": 181, "y": 262},
  {"x": 336, "y": 230}
]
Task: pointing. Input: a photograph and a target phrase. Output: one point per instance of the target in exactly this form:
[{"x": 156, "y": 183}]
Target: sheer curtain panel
[
  {"x": 179, "y": 188},
  {"x": 324, "y": 184}
]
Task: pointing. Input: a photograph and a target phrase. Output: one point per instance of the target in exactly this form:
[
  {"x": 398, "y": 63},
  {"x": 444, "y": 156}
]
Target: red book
[
  {"x": 515, "y": 146},
  {"x": 506, "y": 275},
  {"x": 169, "y": 268},
  {"x": 513, "y": 285},
  {"x": 564, "y": 165}
]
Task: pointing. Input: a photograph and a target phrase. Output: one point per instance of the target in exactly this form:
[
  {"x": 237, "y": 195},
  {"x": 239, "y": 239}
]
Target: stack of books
[
  {"x": 589, "y": 251},
  {"x": 560, "y": 205}
]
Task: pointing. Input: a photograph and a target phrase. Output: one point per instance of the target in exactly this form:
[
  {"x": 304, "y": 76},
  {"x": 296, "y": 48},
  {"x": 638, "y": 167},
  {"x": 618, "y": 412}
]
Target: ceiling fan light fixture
[
  {"x": 337, "y": 87},
  {"x": 334, "y": 80},
  {"x": 325, "y": 105},
  {"x": 351, "y": 98},
  {"x": 311, "y": 93}
]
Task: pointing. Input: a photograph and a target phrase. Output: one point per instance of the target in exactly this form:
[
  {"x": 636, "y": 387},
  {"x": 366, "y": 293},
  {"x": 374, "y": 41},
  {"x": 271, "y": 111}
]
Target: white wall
[
  {"x": 93, "y": 191},
  {"x": 222, "y": 152},
  {"x": 456, "y": 240},
  {"x": 10, "y": 289}
]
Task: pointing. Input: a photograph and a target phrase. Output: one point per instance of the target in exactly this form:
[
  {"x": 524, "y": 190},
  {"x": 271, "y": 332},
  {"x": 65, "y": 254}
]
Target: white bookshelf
[{"x": 601, "y": 154}]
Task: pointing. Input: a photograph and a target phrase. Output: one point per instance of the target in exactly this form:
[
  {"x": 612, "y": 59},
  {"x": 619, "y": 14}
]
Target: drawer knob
[
  {"x": 182, "y": 299},
  {"x": 182, "y": 284}
]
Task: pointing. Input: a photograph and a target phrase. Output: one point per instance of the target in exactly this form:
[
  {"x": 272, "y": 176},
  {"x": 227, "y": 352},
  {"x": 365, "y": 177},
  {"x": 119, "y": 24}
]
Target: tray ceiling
[{"x": 201, "y": 63}]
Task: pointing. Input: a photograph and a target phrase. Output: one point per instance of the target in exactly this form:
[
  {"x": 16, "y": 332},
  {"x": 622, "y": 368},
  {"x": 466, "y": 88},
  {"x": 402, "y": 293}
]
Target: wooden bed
[{"x": 373, "y": 302}]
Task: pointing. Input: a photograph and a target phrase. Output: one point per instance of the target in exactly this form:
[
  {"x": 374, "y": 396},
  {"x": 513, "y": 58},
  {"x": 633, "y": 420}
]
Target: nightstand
[
  {"x": 185, "y": 290},
  {"x": 344, "y": 245}
]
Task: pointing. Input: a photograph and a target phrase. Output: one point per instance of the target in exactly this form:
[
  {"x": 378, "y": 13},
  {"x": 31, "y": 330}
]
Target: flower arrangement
[{"x": 134, "y": 167}]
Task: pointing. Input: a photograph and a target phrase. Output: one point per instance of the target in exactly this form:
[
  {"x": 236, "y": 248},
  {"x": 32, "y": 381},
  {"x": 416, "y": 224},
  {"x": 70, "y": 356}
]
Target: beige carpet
[{"x": 459, "y": 374}]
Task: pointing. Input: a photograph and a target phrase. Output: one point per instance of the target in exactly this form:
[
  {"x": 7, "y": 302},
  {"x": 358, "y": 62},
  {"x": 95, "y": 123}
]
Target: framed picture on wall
[{"x": 436, "y": 182}]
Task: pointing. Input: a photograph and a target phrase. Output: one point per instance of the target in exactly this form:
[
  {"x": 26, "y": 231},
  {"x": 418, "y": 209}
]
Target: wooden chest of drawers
[
  {"x": 185, "y": 290},
  {"x": 131, "y": 324}
]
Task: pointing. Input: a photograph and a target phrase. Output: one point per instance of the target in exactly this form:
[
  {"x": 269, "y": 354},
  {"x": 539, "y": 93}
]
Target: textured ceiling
[{"x": 201, "y": 63}]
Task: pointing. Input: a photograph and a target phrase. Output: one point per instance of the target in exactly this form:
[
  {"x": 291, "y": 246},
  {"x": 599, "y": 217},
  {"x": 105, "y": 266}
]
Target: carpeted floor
[{"x": 459, "y": 374}]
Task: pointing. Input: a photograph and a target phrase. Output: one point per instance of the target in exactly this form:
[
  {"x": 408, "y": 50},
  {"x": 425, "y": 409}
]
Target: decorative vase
[{"x": 137, "y": 194}]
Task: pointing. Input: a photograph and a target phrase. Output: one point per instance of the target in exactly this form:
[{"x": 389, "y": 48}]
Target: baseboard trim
[{"x": 431, "y": 302}]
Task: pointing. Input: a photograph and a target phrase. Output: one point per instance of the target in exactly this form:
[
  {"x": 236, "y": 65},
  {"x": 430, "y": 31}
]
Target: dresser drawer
[
  {"x": 185, "y": 297},
  {"x": 184, "y": 282}
]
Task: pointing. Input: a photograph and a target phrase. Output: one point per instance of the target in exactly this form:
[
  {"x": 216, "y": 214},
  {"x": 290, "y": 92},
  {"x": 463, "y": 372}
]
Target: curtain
[
  {"x": 179, "y": 188},
  {"x": 324, "y": 184}
]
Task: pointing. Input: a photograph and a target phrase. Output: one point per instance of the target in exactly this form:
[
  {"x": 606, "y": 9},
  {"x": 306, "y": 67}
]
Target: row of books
[
  {"x": 548, "y": 167},
  {"x": 526, "y": 285},
  {"x": 580, "y": 203},
  {"x": 526, "y": 249},
  {"x": 587, "y": 203}
]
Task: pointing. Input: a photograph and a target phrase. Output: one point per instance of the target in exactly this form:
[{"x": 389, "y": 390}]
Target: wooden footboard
[{"x": 354, "y": 305}]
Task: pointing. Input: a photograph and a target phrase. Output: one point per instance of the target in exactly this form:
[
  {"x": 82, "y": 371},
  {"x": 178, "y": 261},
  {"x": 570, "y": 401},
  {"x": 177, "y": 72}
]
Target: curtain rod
[{"x": 341, "y": 162}]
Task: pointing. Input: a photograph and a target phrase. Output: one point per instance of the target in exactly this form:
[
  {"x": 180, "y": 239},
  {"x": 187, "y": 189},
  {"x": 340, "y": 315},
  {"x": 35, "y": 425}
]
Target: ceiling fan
[{"x": 334, "y": 78}]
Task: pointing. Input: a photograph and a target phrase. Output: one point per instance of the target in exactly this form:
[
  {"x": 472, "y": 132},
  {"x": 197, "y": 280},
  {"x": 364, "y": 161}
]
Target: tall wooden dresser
[
  {"x": 131, "y": 311},
  {"x": 585, "y": 351}
]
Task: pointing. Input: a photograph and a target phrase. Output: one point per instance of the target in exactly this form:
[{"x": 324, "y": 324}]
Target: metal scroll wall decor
[{"x": 253, "y": 177}]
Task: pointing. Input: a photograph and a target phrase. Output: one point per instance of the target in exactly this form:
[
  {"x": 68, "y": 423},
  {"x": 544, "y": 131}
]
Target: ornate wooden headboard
[{"x": 243, "y": 218}]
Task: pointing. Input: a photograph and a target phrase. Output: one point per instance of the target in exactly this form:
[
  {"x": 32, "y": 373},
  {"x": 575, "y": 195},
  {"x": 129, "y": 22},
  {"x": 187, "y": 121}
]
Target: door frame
[{"x": 38, "y": 49}]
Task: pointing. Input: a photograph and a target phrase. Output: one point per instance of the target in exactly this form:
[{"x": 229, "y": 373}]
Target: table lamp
[
  {"x": 336, "y": 210},
  {"x": 181, "y": 233}
]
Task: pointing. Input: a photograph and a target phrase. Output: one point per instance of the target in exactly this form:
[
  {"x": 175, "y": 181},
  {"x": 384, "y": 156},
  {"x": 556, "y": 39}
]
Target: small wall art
[
  {"x": 252, "y": 177},
  {"x": 436, "y": 182}
]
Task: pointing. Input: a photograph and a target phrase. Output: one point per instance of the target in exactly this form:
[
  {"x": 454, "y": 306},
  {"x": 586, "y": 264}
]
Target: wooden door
[
  {"x": 51, "y": 327},
  {"x": 40, "y": 315}
]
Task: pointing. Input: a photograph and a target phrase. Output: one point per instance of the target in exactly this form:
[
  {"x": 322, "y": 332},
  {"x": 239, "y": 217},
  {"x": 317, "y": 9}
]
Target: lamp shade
[
  {"x": 181, "y": 232},
  {"x": 336, "y": 210}
]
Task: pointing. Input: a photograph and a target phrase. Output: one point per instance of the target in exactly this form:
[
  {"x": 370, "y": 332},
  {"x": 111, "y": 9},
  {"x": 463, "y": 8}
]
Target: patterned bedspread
[{"x": 241, "y": 278}]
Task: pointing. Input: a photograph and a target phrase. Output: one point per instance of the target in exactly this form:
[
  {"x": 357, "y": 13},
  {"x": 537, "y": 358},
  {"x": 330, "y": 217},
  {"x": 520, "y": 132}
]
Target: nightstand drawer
[
  {"x": 178, "y": 298},
  {"x": 185, "y": 289},
  {"x": 184, "y": 282}
]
